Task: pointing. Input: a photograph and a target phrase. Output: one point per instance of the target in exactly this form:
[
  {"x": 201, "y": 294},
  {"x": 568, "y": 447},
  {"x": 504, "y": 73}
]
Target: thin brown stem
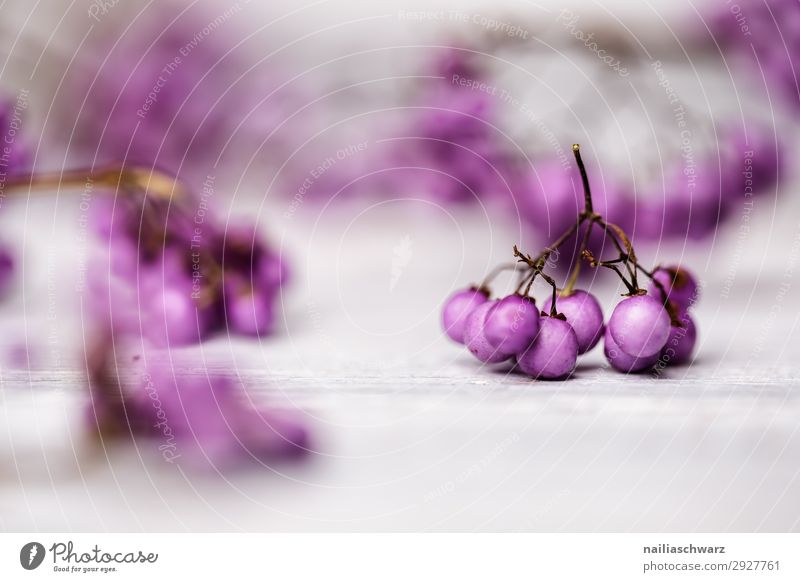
[
  {"x": 668, "y": 305},
  {"x": 545, "y": 254},
  {"x": 610, "y": 265},
  {"x": 551, "y": 281},
  {"x": 576, "y": 270},
  {"x": 496, "y": 271},
  {"x": 587, "y": 193},
  {"x": 128, "y": 179}
]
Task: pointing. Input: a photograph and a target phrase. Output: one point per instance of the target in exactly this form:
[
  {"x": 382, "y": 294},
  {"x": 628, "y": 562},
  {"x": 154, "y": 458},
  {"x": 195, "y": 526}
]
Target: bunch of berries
[{"x": 644, "y": 329}]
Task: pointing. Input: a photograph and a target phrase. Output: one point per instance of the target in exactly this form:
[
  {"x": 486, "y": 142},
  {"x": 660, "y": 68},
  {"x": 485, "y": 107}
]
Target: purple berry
[
  {"x": 272, "y": 271},
  {"x": 248, "y": 311},
  {"x": 584, "y": 314},
  {"x": 550, "y": 199},
  {"x": 640, "y": 326},
  {"x": 456, "y": 310},
  {"x": 170, "y": 316},
  {"x": 6, "y": 271},
  {"x": 622, "y": 361},
  {"x": 475, "y": 336},
  {"x": 681, "y": 342},
  {"x": 553, "y": 353},
  {"x": 679, "y": 285},
  {"x": 512, "y": 324}
]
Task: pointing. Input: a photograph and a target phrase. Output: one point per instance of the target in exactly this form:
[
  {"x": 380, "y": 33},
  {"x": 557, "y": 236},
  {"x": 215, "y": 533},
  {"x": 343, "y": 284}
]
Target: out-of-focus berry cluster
[
  {"x": 175, "y": 275},
  {"x": 765, "y": 34},
  {"x": 203, "y": 422}
]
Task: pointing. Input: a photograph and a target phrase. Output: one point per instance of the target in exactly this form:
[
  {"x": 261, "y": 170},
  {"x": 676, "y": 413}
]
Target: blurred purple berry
[
  {"x": 159, "y": 98},
  {"x": 6, "y": 270},
  {"x": 248, "y": 311},
  {"x": 180, "y": 278},
  {"x": 215, "y": 424},
  {"x": 764, "y": 34},
  {"x": 450, "y": 149},
  {"x": 205, "y": 421}
]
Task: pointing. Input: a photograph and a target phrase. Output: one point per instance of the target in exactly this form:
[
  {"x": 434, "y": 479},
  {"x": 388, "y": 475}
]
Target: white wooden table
[{"x": 409, "y": 432}]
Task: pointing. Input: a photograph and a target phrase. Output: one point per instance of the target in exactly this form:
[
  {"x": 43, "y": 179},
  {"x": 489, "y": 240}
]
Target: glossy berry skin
[
  {"x": 681, "y": 342},
  {"x": 475, "y": 336},
  {"x": 458, "y": 308},
  {"x": 678, "y": 283},
  {"x": 512, "y": 324},
  {"x": 640, "y": 326},
  {"x": 554, "y": 352},
  {"x": 623, "y": 362},
  {"x": 584, "y": 314}
]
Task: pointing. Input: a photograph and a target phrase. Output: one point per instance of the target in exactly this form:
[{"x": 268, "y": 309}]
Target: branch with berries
[
  {"x": 650, "y": 326},
  {"x": 191, "y": 275}
]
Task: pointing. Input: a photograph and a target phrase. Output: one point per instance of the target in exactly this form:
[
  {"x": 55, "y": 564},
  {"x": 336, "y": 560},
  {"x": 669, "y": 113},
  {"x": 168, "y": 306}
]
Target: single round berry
[
  {"x": 679, "y": 285},
  {"x": 458, "y": 308},
  {"x": 171, "y": 317},
  {"x": 640, "y": 326},
  {"x": 553, "y": 353},
  {"x": 512, "y": 324},
  {"x": 681, "y": 341},
  {"x": 6, "y": 270},
  {"x": 584, "y": 314},
  {"x": 475, "y": 336},
  {"x": 248, "y": 310},
  {"x": 623, "y": 362}
]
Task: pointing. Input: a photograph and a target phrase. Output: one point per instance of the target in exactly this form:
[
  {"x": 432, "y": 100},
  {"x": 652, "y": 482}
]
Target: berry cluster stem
[{"x": 625, "y": 265}]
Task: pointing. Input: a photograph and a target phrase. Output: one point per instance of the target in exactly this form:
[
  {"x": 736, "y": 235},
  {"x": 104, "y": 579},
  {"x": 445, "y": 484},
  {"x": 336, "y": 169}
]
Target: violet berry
[
  {"x": 512, "y": 324},
  {"x": 640, "y": 326},
  {"x": 6, "y": 270},
  {"x": 554, "y": 352},
  {"x": 458, "y": 308},
  {"x": 475, "y": 336},
  {"x": 679, "y": 285},
  {"x": 170, "y": 315},
  {"x": 584, "y": 314},
  {"x": 623, "y": 362},
  {"x": 216, "y": 426},
  {"x": 247, "y": 311},
  {"x": 681, "y": 342}
]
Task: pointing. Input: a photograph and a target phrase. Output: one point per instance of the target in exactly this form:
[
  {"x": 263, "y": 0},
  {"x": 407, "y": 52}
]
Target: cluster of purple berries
[
  {"x": 175, "y": 279},
  {"x": 205, "y": 422},
  {"x": 655, "y": 329},
  {"x": 640, "y": 333},
  {"x": 644, "y": 328}
]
